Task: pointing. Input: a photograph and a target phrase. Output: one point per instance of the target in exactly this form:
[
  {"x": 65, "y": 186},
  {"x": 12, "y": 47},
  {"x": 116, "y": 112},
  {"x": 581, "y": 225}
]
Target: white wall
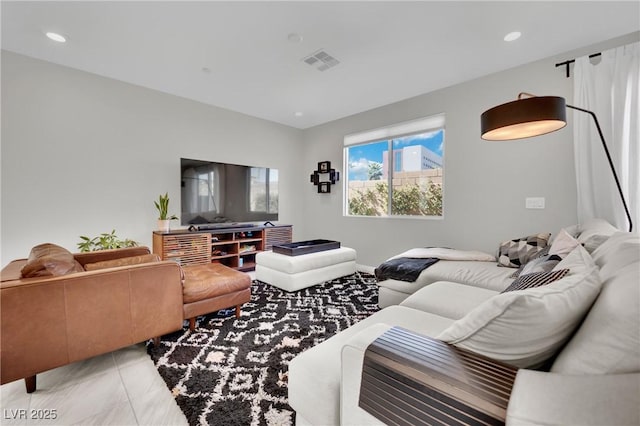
[
  {"x": 83, "y": 154},
  {"x": 485, "y": 183}
]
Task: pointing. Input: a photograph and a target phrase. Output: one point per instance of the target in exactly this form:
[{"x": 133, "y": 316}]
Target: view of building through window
[{"x": 414, "y": 186}]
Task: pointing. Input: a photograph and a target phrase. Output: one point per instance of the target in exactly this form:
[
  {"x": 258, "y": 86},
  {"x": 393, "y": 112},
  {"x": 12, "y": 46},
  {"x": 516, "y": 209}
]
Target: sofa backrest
[{"x": 608, "y": 341}]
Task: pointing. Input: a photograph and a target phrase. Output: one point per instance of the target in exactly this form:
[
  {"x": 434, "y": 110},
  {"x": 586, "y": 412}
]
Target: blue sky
[{"x": 361, "y": 155}]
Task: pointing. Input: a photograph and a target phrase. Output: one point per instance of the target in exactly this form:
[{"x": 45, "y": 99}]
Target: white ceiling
[{"x": 388, "y": 51}]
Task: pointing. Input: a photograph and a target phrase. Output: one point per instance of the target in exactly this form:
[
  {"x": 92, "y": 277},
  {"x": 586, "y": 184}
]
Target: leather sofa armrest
[
  {"x": 408, "y": 378},
  {"x": 102, "y": 255},
  {"x": 559, "y": 399}
]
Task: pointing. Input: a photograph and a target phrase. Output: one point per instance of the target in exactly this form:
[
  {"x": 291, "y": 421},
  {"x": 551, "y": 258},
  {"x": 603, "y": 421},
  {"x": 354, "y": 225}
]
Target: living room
[{"x": 86, "y": 152}]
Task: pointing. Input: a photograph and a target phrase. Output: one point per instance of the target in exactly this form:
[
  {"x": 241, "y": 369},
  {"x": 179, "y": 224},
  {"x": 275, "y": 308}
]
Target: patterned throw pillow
[
  {"x": 541, "y": 253},
  {"x": 538, "y": 264},
  {"x": 515, "y": 253},
  {"x": 536, "y": 279}
]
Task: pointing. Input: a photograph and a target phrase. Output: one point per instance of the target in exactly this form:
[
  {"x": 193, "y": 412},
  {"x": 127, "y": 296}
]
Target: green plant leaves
[
  {"x": 163, "y": 207},
  {"x": 408, "y": 200},
  {"x": 104, "y": 241}
]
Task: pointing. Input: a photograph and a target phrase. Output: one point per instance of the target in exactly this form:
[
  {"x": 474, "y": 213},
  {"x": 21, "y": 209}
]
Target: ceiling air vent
[{"x": 321, "y": 60}]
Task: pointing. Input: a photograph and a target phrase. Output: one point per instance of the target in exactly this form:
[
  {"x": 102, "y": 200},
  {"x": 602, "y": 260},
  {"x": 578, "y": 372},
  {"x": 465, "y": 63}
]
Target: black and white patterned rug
[{"x": 235, "y": 371}]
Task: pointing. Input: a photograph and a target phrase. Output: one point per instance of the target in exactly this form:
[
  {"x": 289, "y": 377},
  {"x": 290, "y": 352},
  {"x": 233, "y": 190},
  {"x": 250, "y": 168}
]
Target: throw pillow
[
  {"x": 542, "y": 253},
  {"x": 595, "y": 227},
  {"x": 539, "y": 264},
  {"x": 563, "y": 244},
  {"x": 535, "y": 279},
  {"x": 49, "y": 260},
  {"x": 525, "y": 328},
  {"x": 517, "y": 252},
  {"x": 123, "y": 261},
  {"x": 573, "y": 230},
  {"x": 594, "y": 241}
]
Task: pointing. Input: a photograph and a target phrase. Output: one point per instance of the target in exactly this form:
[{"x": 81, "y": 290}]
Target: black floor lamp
[{"x": 532, "y": 115}]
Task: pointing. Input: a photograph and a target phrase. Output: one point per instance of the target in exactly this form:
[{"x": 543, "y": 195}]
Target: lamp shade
[{"x": 524, "y": 118}]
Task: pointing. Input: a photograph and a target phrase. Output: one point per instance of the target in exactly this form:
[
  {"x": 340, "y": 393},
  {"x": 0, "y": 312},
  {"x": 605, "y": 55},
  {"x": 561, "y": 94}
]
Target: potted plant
[
  {"x": 163, "y": 207},
  {"x": 104, "y": 241}
]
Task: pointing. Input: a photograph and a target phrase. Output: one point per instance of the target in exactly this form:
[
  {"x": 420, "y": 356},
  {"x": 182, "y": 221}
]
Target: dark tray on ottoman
[{"x": 305, "y": 247}]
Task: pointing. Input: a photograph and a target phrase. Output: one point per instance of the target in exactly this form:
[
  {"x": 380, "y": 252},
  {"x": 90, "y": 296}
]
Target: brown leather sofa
[{"x": 52, "y": 320}]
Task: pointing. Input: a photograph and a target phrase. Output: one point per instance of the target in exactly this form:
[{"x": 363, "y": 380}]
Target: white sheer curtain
[{"x": 611, "y": 89}]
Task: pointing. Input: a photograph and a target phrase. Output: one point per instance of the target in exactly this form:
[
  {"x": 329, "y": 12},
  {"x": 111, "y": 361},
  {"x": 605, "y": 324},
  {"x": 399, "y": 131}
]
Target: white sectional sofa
[{"x": 585, "y": 325}]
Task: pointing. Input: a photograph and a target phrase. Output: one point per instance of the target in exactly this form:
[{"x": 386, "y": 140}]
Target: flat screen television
[{"x": 215, "y": 193}]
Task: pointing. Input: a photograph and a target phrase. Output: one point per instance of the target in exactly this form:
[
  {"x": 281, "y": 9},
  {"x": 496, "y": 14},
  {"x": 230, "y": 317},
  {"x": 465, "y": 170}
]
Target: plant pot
[{"x": 163, "y": 225}]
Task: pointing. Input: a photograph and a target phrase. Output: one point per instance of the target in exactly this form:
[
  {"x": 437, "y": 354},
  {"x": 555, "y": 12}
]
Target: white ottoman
[{"x": 292, "y": 273}]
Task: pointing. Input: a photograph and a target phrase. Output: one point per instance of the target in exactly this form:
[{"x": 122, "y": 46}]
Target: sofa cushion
[
  {"x": 123, "y": 261},
  {"x": 542, "y": 398},
  {"x": 518, "y": 251},
  {"x": 535, "y": 279},
  {"x": 608, "y": 341},
  {"x": 480, "y": 274},
  {"x": 50, "y": 260},
  {"x": 448, "y": 299},
  {"x": 525, "y": 328},
  {"x": 211, "y": 280},
  {"x": 620, "y": 250}
]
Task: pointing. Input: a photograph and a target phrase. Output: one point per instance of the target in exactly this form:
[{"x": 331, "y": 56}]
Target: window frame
[
  {"x": 267, "y": 187},
  {"x": 388, "y": 134}
]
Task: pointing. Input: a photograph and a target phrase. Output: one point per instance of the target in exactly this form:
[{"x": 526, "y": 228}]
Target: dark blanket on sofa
[{"x": 403, "y": 268}]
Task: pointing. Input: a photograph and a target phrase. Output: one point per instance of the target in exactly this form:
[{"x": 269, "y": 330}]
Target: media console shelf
[{"x": 235, "y": 247}]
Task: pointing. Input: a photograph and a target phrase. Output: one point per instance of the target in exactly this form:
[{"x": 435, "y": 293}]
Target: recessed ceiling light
[
  {"x": 298, "y": 114},
  {"x": 512, "y": 36},
  {"x": 294, "y": 38},
  {"x": 56, "y": 37}
]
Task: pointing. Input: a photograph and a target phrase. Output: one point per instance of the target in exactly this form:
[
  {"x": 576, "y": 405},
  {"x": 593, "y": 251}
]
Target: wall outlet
[{"x": 534, "y": 202}]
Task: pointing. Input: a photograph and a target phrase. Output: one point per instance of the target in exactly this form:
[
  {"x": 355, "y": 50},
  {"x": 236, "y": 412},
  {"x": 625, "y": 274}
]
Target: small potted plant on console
[{"x": 163, "y": 207}]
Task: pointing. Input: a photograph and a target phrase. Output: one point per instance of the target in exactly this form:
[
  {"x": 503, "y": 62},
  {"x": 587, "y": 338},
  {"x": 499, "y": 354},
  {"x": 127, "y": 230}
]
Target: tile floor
[{"x": 118, "y": 388}]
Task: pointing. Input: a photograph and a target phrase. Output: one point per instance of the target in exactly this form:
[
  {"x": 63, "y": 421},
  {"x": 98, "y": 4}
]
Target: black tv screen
[{"x": 222, "y": 193}]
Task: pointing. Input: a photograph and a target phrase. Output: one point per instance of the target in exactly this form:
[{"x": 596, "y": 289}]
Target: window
[
  {"x": 263, "y": 190},
  {"x": 407, "y": 182},
  {"x": 397, "y": 161}
]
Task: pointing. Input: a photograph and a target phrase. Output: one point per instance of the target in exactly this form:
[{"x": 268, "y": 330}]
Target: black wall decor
[{"x": 324, "y": 167}]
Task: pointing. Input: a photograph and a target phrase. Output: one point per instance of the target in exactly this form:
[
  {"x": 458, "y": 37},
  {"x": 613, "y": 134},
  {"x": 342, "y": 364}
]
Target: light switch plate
[{"x": 534, "y": 202}]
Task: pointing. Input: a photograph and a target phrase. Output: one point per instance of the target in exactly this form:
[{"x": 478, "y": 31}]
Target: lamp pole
[{"x": 606, "y": 151}]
